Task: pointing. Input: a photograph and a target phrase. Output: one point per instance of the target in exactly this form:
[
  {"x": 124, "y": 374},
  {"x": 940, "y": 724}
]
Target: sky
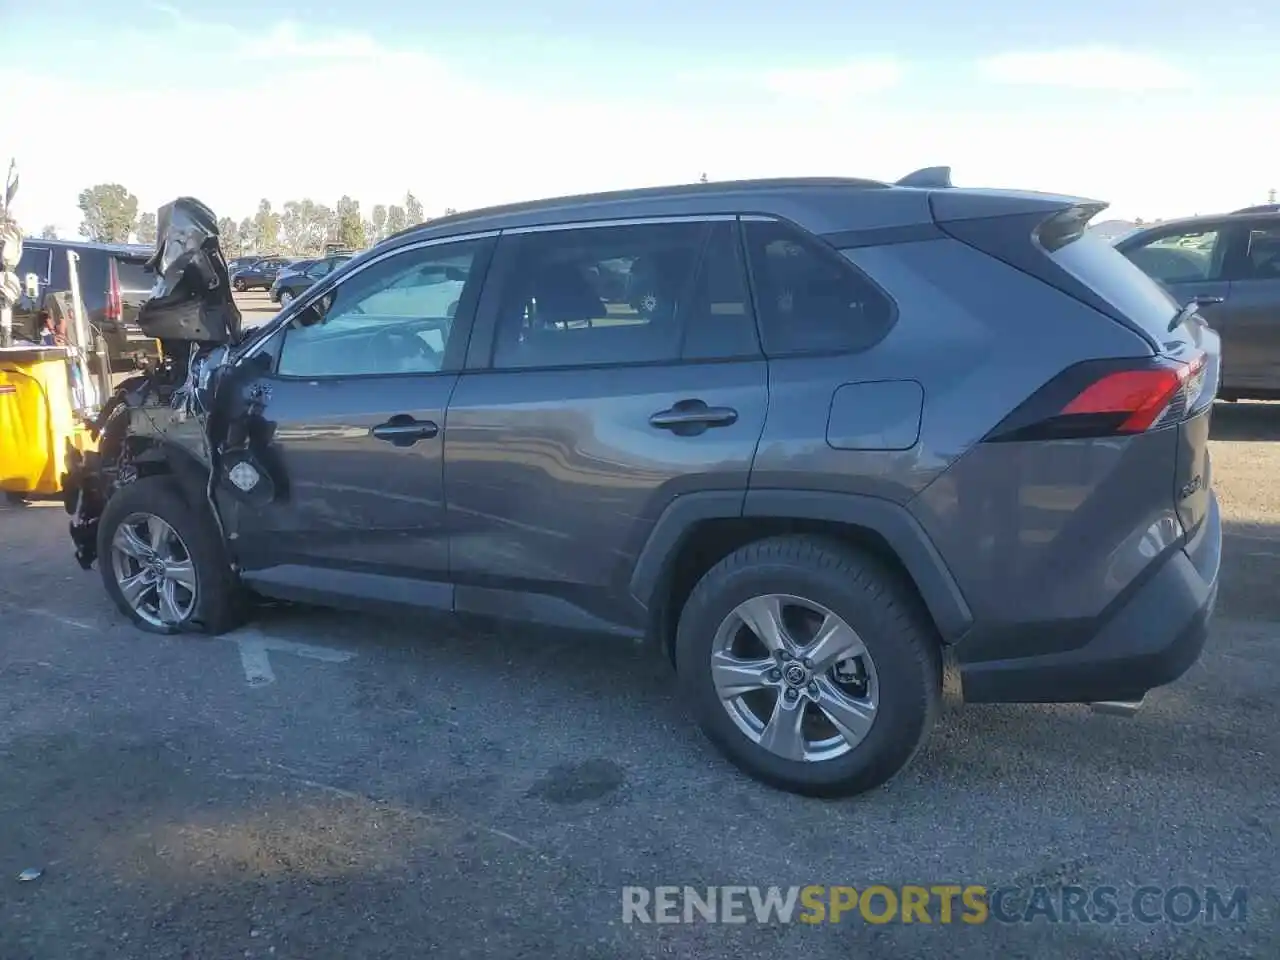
[{"x": 1163, "y": 108}]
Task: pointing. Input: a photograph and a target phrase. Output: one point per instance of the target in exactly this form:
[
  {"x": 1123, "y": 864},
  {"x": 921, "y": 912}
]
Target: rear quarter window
[{"x": 1110, "y": 274}]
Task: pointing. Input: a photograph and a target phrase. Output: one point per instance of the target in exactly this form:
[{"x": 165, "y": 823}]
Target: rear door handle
[
  {"x": 691, "y": 417},
  {"x": 403, "y": 430}
]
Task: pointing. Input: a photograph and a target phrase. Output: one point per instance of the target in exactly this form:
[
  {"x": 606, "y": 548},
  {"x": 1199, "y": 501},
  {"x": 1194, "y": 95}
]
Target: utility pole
[{"x": 1271, "y": 195}]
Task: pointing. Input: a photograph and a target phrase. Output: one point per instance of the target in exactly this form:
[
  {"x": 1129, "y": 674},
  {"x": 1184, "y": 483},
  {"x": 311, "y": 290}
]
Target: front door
[
  {"x": 357, "y": 404},
  {"x": 613, "y": 369}
]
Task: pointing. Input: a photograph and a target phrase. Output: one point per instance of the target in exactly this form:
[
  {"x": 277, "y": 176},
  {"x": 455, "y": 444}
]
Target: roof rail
[
  {"x": 1260, "y": 208},
  {"x": 927, "y": 177}
]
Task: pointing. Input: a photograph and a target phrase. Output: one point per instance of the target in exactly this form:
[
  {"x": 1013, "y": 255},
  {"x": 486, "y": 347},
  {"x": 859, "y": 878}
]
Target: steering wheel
[{"x": 391, "y": 346}]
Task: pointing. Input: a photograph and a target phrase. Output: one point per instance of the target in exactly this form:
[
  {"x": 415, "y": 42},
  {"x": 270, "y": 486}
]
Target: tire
[
  {"x": 286, "y": 298},
  {"x": 903, "y": 677},
  {"x": 239, "y": 286},
  {"x": 213, "y": 603}
]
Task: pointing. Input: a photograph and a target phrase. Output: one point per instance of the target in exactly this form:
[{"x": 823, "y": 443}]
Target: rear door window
[{"x": 1262, "y": 254}]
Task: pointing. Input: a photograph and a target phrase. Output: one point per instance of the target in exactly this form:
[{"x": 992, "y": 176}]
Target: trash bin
[{"x": 37, "y": 422}]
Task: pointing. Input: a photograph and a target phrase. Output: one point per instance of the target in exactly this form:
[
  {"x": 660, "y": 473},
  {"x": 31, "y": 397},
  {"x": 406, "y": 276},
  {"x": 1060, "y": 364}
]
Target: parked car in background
[
  {"x": 239, "y": 263},
  {"x": 833, "y": 446},
  {"x": 114, "y": 282},
  {"x": 259, "y": 275},
  {"x": 298, "y": 277},
  {"x": 1231, "y": 263}
]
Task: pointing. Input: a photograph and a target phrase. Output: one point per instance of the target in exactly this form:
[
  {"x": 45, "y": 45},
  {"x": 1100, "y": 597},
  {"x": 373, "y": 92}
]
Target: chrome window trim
[
  {"x": 327, "y": 283},
  {"x": 623, "y": 222}
]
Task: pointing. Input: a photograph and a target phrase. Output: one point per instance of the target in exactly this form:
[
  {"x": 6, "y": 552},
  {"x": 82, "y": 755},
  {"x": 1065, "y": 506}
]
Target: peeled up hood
[{"x": 191, "y": 300}]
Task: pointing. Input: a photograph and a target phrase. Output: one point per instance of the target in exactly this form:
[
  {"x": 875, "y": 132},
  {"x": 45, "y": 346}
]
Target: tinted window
[
  {"x": 639, "y": 293},
  {"x": 810, "y": 298},
  {"x": 134, "y": 278},
  {"x": 35, "y": 260},
  {"x": 395, "y": 316},
  {"x": 1116, "y": 280},
  {"x": 1262, "y": 256},
  {"x": 719, "y": 322},
  {"x": 1180, "y": 257}
]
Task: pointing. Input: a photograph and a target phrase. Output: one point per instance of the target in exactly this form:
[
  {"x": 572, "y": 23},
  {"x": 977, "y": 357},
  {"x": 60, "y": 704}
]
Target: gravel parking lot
[{"x": 328, "y": 785}]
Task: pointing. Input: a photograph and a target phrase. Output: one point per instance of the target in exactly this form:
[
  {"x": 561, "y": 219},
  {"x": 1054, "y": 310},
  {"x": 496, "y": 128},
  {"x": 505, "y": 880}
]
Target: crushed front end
[{"x": 161, "y": 420}]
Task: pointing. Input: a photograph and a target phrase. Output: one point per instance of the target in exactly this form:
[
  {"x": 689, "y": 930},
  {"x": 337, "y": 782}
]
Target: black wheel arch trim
[{"x": 891, "y": 521}]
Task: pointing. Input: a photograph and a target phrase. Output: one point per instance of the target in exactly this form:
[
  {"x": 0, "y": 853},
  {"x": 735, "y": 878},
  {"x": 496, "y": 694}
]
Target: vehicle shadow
[{"x": 1246, "y": 421}]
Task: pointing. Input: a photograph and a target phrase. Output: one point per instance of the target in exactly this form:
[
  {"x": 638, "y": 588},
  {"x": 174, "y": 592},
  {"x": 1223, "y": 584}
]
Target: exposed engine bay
[{"x": 193, "y": 415}]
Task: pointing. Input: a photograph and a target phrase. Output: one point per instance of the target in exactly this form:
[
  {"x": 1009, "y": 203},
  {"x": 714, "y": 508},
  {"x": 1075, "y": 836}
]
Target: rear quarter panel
[{"x": 976, "y": 335}]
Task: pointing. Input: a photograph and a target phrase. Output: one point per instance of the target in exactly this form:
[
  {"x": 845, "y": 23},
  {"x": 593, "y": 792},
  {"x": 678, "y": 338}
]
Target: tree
[
  {"x": 110, "y": 212},
  {"x": 229, "y": 237},
  {"x": 450, "y": 211},
  {"x": 266, "y": 228},
  {"x": 146, "y": 229},
  {"x": 50, "y": 232},
  {"x": 245, "y": 233},
  {"x": 350, "y": 224},
  {"x": 395, "y": 219},
  {"x": 702, "y": 178},
  {"x": 378, "y": 221},
  {"x": 412, "y": 210}
]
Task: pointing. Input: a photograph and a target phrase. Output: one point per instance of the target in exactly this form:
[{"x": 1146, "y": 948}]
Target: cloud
[
  {"x": 1087, "y": 68},
  {"x": 872, "y": 75}
]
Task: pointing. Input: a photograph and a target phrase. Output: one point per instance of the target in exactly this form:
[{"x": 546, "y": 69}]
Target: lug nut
[
  {"x": 813, "y": 690},
  {"x": 808, "y": 663},
  {"x": 775, "y": 675},
  {"x": 790, "y": 694}
]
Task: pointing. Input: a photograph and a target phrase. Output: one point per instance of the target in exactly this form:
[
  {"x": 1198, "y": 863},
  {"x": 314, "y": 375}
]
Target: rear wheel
[
  {"x": 809, "y": 665},
  {"x": 286, "y": 298},
  {"x": 239, "y": 286},
  {"x": 163, "y": 562}
]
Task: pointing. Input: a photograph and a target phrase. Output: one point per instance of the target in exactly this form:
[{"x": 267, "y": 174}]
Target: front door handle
[
  {"x": 691, "y": 417},
  {"x": 403, "y": 430}
]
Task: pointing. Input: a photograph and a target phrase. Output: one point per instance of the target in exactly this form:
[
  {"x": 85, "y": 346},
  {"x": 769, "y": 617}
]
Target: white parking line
[
  {"x": 47, "y": 614},
  {"x": 256, "y": 647}
]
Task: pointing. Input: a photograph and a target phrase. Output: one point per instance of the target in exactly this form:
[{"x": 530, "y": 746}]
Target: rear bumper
[{"x": 1152, "y": 639}]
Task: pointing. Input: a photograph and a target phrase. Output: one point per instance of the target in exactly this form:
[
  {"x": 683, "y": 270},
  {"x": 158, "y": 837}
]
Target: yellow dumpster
[{"x": 36, "y": 420}]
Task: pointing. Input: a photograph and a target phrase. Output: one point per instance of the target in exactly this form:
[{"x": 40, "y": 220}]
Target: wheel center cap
[{"x": 795, "y": 675}]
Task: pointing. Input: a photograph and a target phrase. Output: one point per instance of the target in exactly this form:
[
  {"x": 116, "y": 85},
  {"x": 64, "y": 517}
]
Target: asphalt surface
[{"x": 407, "y": 789}]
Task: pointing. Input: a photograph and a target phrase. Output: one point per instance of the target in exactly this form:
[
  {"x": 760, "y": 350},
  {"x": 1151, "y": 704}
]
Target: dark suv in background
[
  {"x": 835, "y": 446},
  {"x": 258, "y": 275},
  {"x": 298, "y": 277},
  {"x": 1231, "y": 263},
  {"x": 114, "y": 282}
]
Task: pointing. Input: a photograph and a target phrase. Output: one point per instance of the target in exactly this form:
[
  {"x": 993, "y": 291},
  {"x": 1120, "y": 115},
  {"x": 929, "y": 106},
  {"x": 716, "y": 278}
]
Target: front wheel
[
  {"x": 810, "y": 665},
  {"x": 239, "y": 286},
  {"x": 163, "y": 563},
  {"x": 286, "y": 298}
]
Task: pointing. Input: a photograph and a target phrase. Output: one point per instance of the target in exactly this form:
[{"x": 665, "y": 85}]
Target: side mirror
[
  {"x": 31, "y": 283},
  {"x": 314, "y": 312}
]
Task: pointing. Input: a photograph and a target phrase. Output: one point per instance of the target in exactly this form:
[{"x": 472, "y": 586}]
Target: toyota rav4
[{"x": 839, "y": 448}]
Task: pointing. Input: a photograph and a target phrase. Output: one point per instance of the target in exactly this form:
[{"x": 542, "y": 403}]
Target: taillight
[
  {"x": 1106, "y": 398},
  {"x": 114, "y": 310}
]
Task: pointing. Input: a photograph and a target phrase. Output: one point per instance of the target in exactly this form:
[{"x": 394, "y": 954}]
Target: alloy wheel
[
  {"x": 286, "y": 298},
  {"x": 795, "y": 678},
  {"x": 153, "y": 570}
]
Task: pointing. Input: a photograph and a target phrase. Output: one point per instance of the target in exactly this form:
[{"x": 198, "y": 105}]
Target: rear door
[
  {"x": 1252, "y": 330},
  {"x": 614, "y": 368},
  {"x": 355, "y": 406}
]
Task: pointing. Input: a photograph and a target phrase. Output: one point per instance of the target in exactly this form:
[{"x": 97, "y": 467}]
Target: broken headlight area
[{"x": 193, "y": 413}]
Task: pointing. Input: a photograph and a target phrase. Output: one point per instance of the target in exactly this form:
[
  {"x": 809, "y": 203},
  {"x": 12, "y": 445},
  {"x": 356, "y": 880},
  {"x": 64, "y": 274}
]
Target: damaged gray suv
[{"x": 838, "y": 448}]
